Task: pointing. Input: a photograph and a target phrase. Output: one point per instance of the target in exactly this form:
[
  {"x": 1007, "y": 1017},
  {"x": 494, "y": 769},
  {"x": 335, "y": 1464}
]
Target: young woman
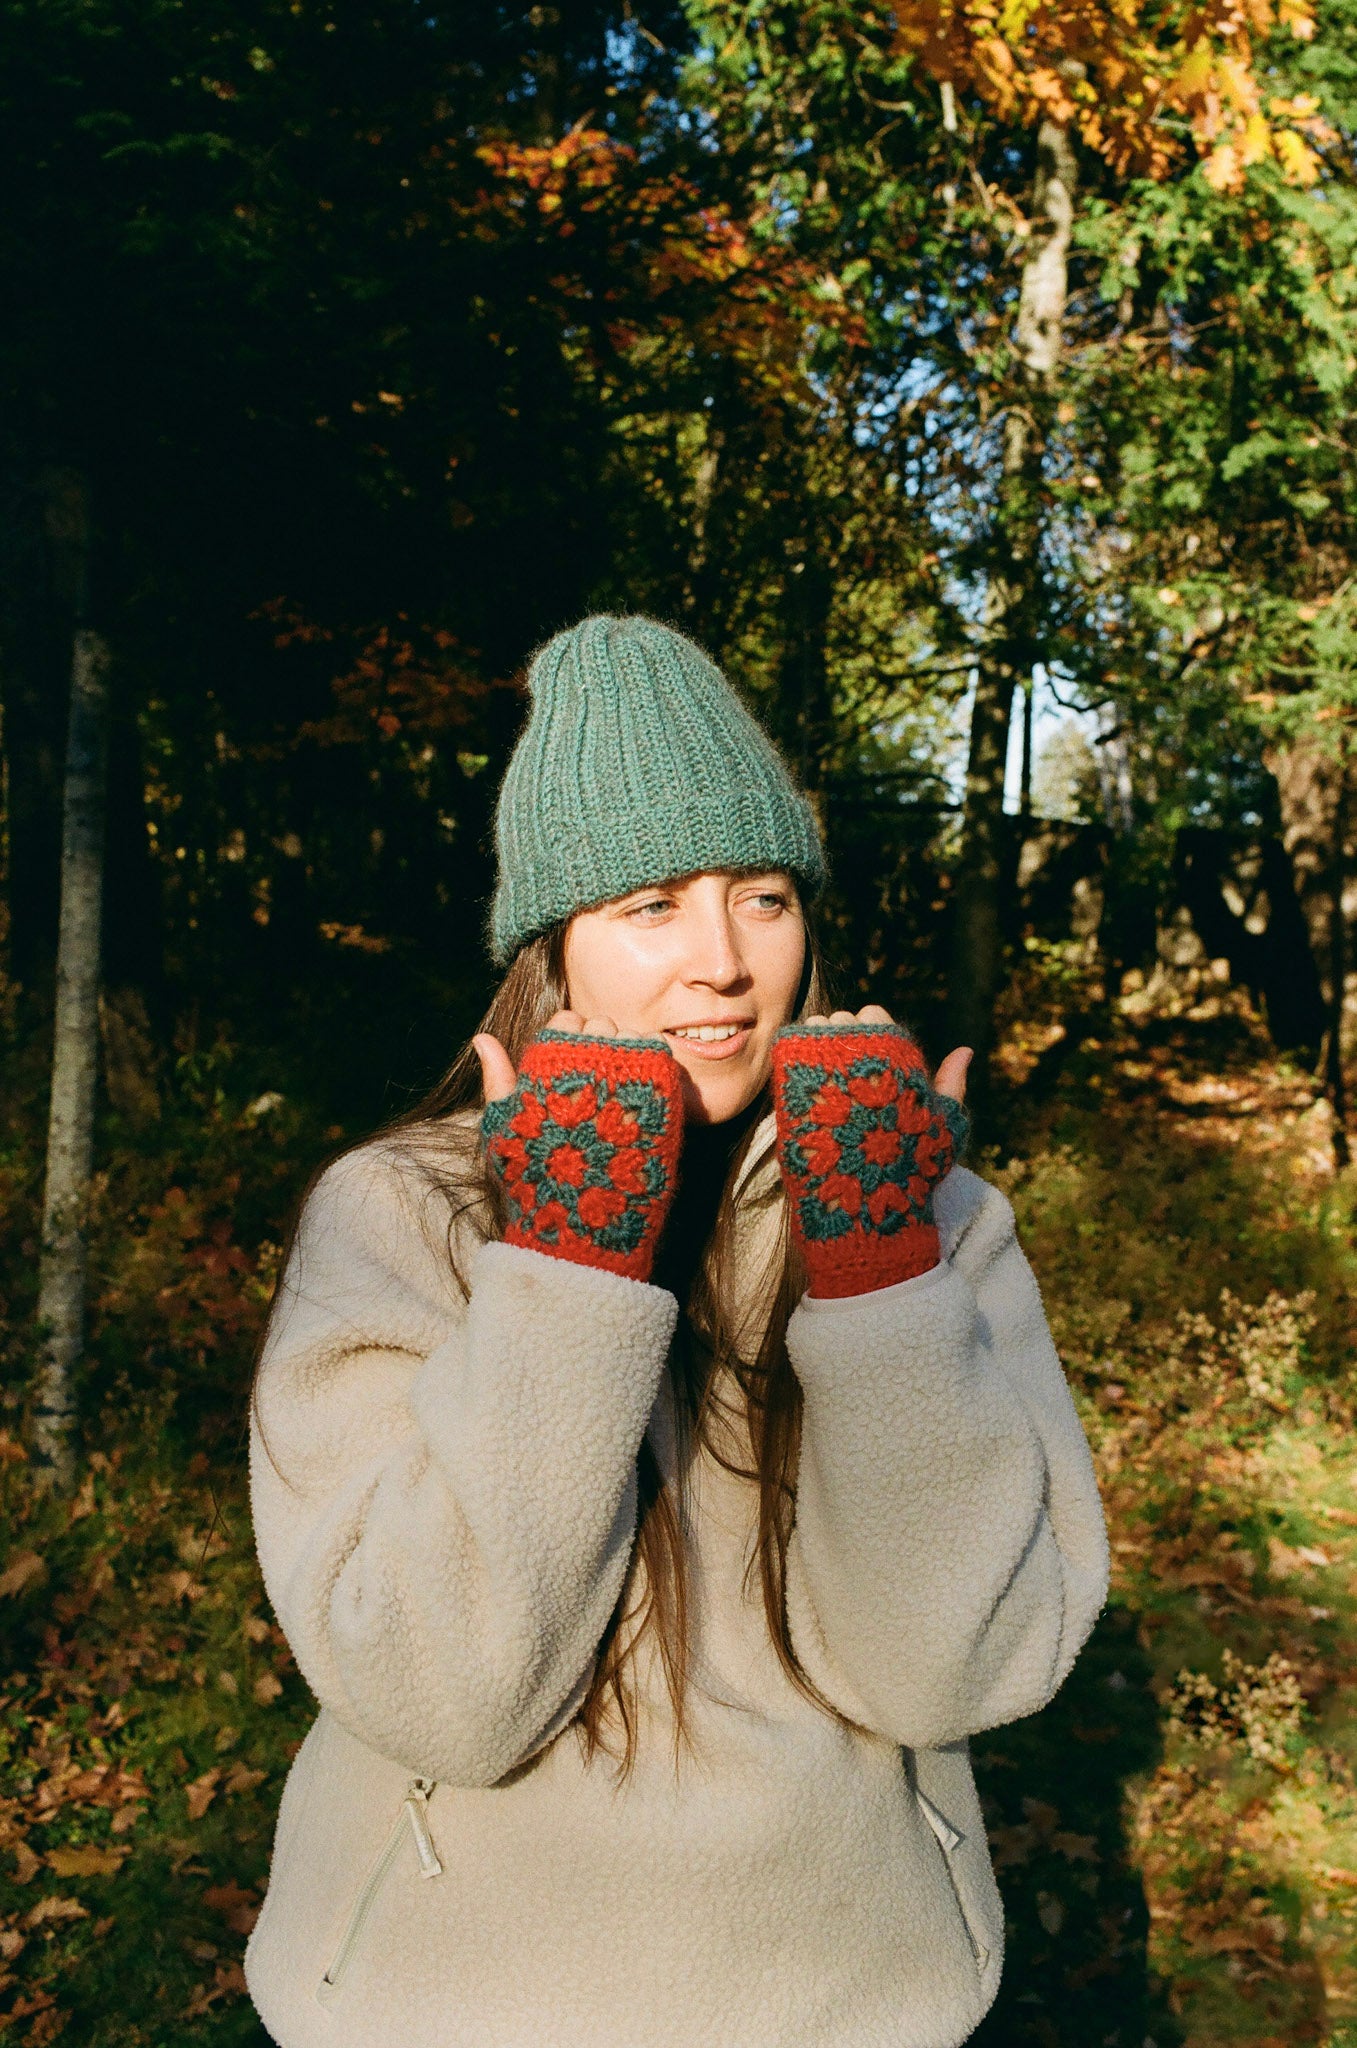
[{"x": 659, "y": 1476}]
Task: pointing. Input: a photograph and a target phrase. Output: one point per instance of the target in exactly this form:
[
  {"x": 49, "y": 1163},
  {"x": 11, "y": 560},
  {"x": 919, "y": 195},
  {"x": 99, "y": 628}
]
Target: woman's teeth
[{"x": 707, "y": 1033}]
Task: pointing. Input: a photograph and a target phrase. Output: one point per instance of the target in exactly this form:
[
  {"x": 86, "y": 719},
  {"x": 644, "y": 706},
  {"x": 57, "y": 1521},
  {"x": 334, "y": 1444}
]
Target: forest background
[{"x": 973, "y": 378}]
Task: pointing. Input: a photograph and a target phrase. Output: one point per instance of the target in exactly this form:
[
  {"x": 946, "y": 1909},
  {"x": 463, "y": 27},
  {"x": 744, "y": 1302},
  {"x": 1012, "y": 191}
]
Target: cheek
[
  {"x": 777, "y": 971},
  {"x": 611, "y": 971}
]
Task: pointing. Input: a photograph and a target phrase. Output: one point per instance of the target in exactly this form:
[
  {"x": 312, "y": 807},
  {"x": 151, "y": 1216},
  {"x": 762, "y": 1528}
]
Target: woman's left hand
[
  {"x": 950, "y": 1078},
  {"x": 863, "y": 1138}
]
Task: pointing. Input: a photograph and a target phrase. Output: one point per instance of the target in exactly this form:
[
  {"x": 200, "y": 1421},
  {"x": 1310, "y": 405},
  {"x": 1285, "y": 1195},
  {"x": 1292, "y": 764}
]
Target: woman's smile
[
  {"x": 711, "y": 1038},
  {"x": 712, "y": 962}
]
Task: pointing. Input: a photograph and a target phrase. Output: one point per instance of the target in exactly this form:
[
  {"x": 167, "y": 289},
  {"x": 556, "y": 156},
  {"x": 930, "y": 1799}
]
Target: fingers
[
  {"x": 497, "y": 1069},
  {"x": 950, "y": 1078},
  {"x": 873, "y": 1014},
  {"x": 572, "y": 1020}
]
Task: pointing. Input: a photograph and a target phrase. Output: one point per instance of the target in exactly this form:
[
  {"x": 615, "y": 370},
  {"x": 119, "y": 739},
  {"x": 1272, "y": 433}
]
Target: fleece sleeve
[
  {"x": 444, "y": 1492},
  {"x": 949, "y": 1554}
]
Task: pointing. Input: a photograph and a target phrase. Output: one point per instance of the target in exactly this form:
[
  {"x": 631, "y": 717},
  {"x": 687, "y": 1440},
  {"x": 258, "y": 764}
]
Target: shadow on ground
[{"x": 1076, "y": 1973}]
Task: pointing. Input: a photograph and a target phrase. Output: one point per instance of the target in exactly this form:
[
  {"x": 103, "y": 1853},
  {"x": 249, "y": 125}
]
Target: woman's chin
[{"x": 713, "y": 1101}]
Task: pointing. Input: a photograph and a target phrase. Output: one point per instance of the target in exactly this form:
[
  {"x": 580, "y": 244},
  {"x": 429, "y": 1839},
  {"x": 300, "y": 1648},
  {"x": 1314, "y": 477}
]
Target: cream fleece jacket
[{"x": 444, "y": 1526}]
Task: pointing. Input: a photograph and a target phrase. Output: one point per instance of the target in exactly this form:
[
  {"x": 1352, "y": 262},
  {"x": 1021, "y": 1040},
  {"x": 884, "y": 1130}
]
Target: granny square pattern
[
  {"x": 863, "y": 1139},
  {"x": 587, "y": 1147}
]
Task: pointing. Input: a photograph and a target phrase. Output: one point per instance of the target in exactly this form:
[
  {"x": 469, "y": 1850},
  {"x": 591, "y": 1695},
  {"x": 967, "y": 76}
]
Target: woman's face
[{"x": 711, "y": 964}]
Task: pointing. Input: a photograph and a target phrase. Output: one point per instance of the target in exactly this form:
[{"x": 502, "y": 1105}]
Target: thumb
[
  {"x": 950, "y": 1078},
  {"x": 497, "y": 1069}
]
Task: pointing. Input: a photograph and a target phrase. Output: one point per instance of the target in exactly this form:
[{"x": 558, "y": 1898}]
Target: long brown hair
[{"x": 698, "y": 1257}]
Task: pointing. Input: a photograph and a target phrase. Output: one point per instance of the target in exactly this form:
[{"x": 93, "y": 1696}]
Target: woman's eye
[
  {"x": 653, "y": 905},
  {"x": 769, "y": 899}
]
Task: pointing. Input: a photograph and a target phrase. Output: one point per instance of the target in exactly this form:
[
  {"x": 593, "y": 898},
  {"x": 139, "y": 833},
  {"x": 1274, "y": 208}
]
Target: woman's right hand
[
  {"x": 498, "y": 1078},
  {"x": 585, "y": 1141}
]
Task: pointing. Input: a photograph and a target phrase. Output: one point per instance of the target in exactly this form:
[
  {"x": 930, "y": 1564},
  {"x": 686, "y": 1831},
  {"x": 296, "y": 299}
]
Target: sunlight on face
[{"x": 711, "y": 963}]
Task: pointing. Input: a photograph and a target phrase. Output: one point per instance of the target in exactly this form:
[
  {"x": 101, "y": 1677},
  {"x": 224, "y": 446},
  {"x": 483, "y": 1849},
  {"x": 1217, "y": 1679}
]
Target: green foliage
[{"x": 1176, "y": 1836}]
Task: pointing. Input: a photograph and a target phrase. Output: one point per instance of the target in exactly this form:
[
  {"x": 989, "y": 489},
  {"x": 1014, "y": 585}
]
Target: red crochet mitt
[
  {"x": 863, "y": 1139},
  {"x": 587, "y": 1149}
]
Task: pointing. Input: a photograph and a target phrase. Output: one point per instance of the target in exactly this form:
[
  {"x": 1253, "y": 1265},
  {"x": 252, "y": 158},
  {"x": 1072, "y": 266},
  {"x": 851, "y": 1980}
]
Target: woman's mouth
[{"x": 711, "y": 1041}]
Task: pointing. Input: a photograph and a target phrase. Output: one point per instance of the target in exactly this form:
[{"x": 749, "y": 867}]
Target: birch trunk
[
  {"x": 1008, "y": 646},
  {"x": 70, "y": 1128}
]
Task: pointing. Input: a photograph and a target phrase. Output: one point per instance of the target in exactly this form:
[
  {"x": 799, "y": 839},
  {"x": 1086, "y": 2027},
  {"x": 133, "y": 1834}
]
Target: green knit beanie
[{"x": 637, "y": 763}]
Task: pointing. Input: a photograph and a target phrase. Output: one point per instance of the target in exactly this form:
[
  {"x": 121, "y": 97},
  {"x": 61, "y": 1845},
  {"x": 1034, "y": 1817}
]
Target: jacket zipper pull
[{"x": 416, "y": 1806}]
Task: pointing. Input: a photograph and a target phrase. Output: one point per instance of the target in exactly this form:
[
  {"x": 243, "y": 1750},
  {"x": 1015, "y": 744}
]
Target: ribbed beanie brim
[{"x": 637, "y": 763}]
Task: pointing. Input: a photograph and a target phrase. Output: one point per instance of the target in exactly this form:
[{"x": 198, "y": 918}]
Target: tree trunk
[
  {"x": 1009, "y": 640},
  {"x": 1312, "y": 787},
  {"x": 70, "y": 1130},
  {"x": 1025, "y": 784},
  {"x": 1334, "y": 1079},
  {"x": 35, "y": 684}
]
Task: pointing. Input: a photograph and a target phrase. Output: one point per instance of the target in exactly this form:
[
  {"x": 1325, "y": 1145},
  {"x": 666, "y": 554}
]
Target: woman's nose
[{"x": 716, "y": 958}]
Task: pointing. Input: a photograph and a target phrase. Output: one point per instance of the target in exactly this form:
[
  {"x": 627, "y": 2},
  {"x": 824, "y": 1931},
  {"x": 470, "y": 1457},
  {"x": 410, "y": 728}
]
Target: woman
[{"x": 659, "y": 1477}]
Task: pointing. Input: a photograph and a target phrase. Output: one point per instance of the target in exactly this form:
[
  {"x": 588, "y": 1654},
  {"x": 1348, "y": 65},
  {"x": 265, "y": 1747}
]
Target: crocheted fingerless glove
[
  {"x": 863, "y": 1138},
  {"x": 586, "y": 1149}
]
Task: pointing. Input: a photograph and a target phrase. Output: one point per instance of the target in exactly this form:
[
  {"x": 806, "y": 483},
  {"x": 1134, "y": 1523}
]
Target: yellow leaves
[
  {"x": 181, "y": 1585},
  {"x": 1014, "y": 16},
  {"x": 1114, "y": 72},
  {"x": 242, "y": 1778},
  {"x": 22, "y": 1570},
  {"x": 266, "y": 1689},
  {"x": 87, "y": 1860},
  {"x": 1222, "y": 170},
  {"x": 57, "y": 1907},
  {"x": 1194, "y": 75},
  {"x": 202, "y": 1792},
  {"x": 1296, "y": 16},
  {"x": 1257, "y": 139},
  {"x": 1300, "y": 164}
]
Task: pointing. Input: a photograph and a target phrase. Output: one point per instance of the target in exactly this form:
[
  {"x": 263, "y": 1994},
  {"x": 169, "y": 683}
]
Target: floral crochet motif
[
  {"x": 863, "y": 1140},
  {"x": 587, "y": 1148}
]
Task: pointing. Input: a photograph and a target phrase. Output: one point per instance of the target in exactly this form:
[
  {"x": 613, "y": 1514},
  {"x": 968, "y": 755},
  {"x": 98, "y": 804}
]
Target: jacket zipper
[
  {"x": 414, "y": 1816},
  {"x": 948, "y": 1840}
]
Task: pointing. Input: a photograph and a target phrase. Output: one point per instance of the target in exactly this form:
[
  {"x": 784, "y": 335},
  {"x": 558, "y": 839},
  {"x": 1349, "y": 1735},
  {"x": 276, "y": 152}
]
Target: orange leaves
[
  {"x": 585, "y": 160},
  {"x": 1115, "y": 72},
  {"x": 1040, "y": 1833},
  {"x": 401, "y": 678},
  {"x": 233, "y": 1904},
  {"x": 228, "y": 1982},
  {"x": 694, "y": 272},
  {"x": 209, "y": 1299}
]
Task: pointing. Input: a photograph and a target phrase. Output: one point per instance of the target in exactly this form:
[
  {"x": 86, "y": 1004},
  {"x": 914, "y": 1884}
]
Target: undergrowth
[{"x": 1175, "y": 1836}]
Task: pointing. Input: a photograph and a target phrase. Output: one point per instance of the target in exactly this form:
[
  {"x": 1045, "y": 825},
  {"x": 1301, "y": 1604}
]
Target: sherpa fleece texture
[{"x": 444, "y": 1537}]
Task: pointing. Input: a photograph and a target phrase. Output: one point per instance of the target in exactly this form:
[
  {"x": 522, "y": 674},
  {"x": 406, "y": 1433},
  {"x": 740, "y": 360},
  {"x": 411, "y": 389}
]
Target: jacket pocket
[
  {"x": 949, "y": 1841},
  {"x": 413, "y": 1819}
]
